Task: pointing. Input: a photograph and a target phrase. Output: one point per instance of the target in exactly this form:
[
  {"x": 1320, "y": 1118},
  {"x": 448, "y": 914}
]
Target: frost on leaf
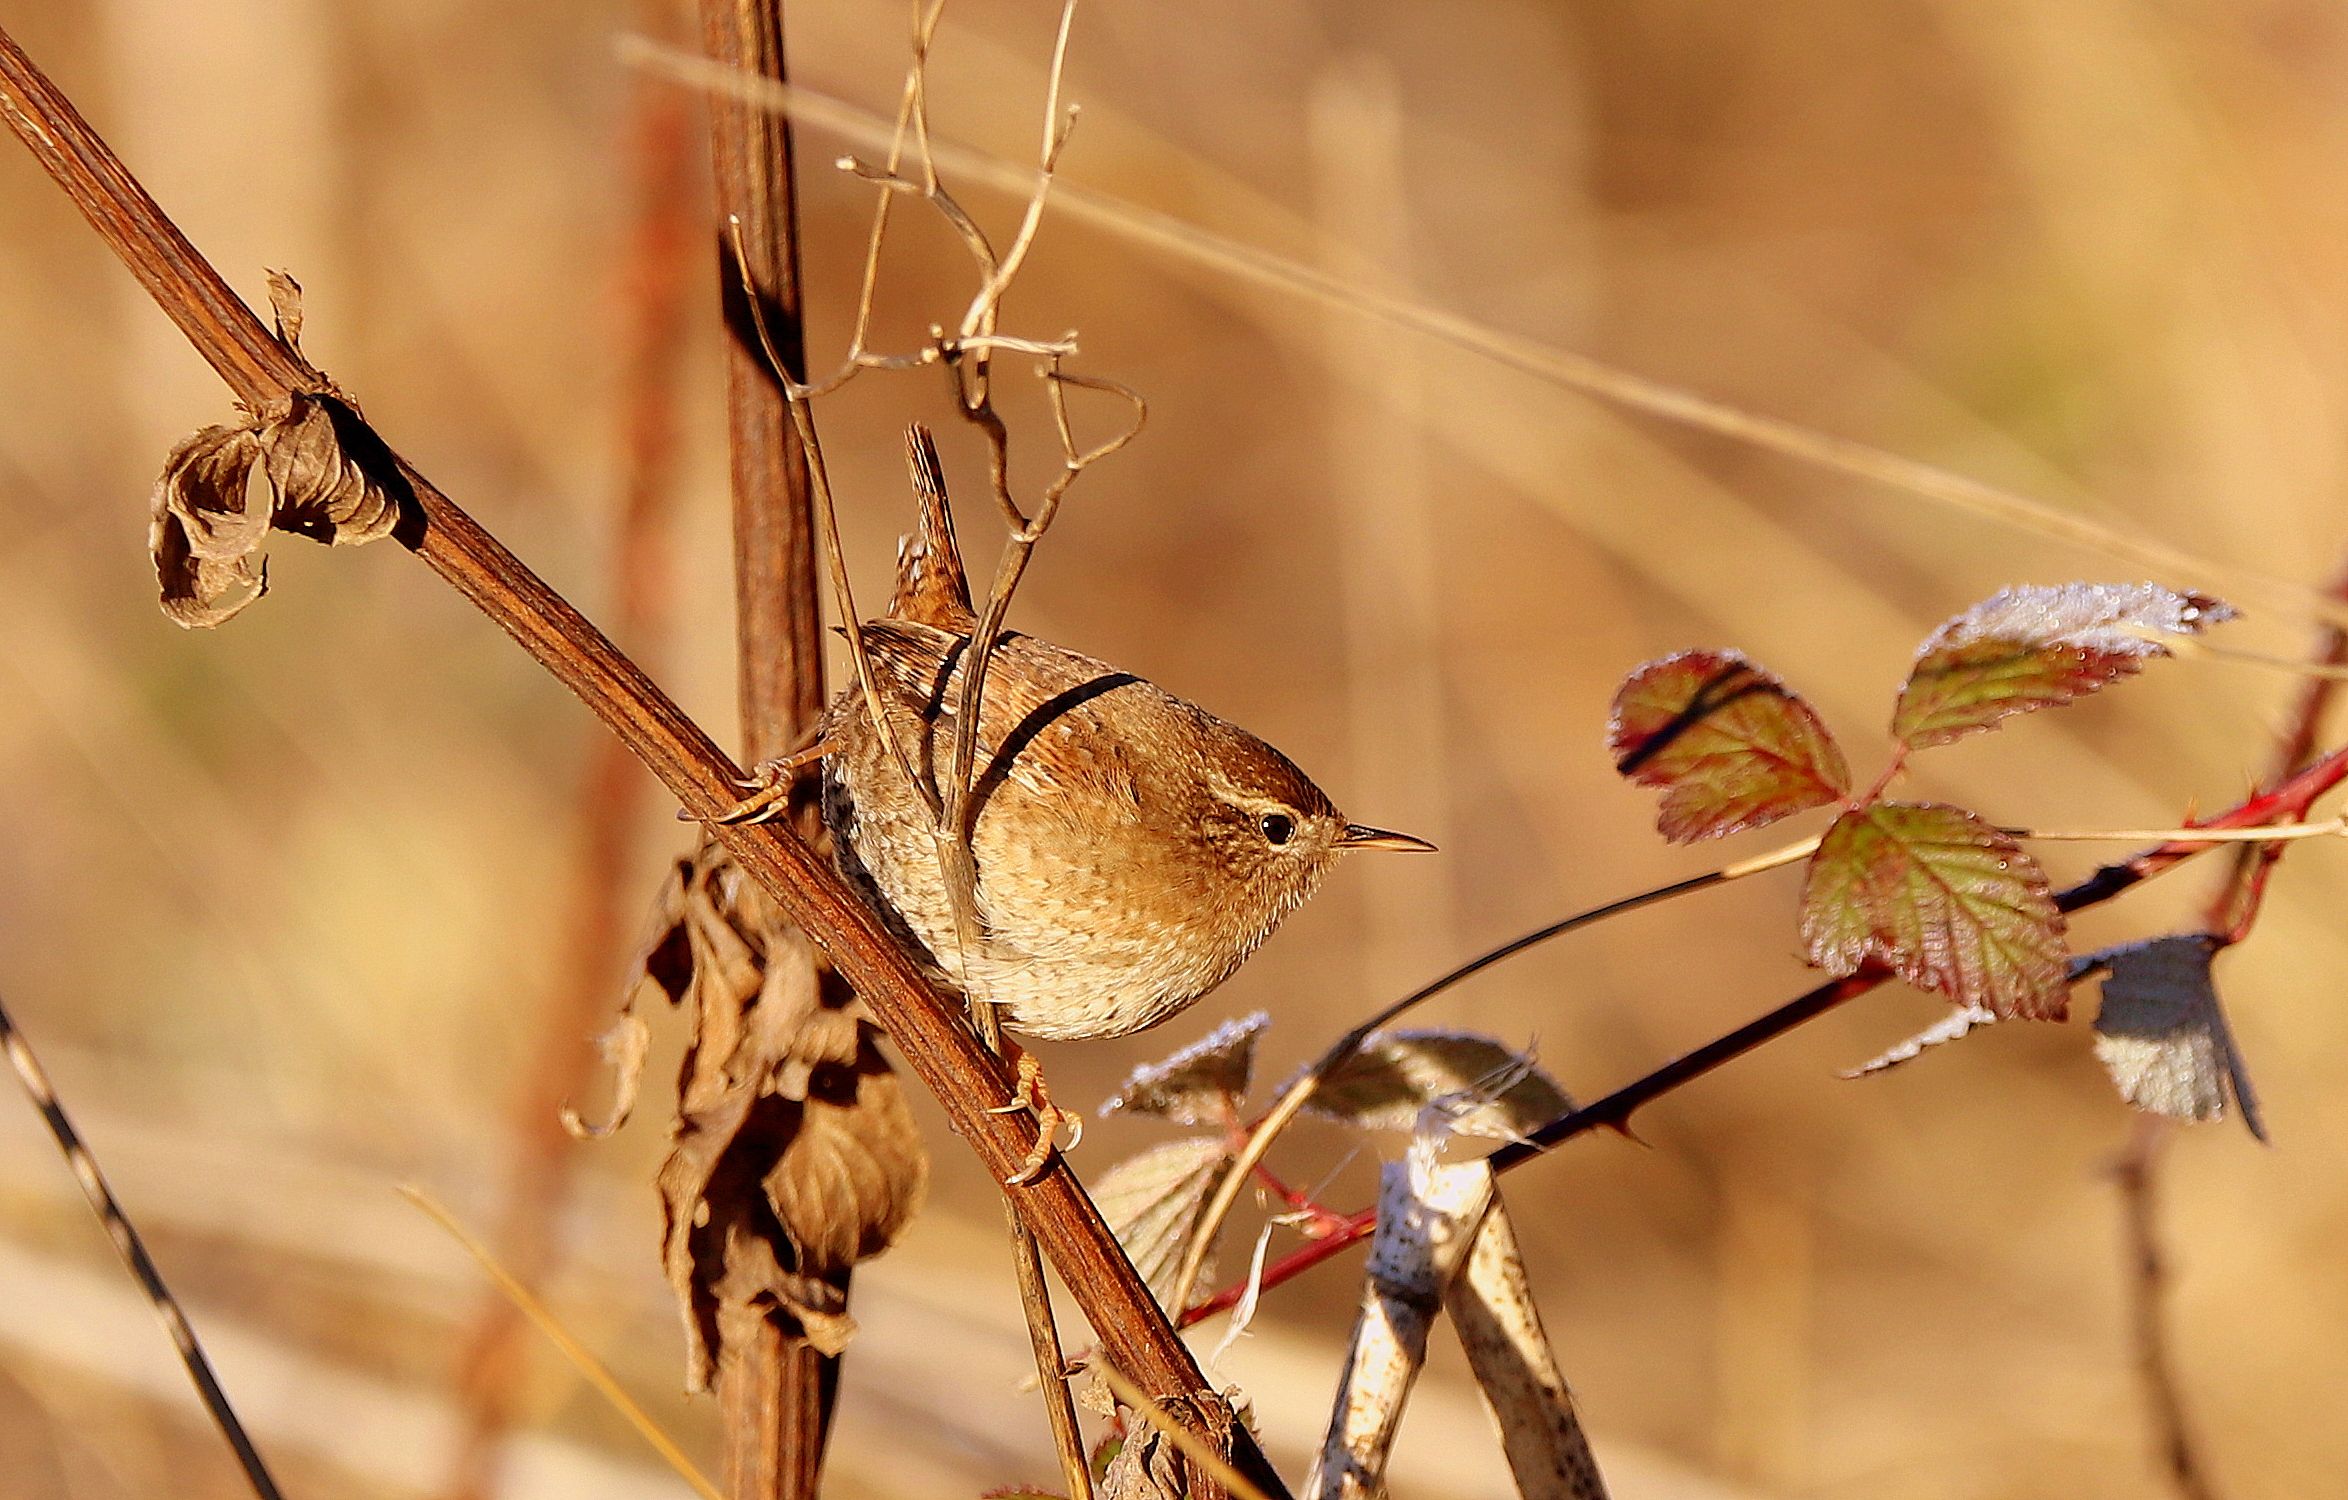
[
  {"x": 1949, "y": 1028},
  {"x": 1730, "y": 745},
  {"x": 1200, "y": 1085},
  {"x": 1485, "y": 1087},
  {"x": 1942, "y": 899},
  {"x": 795, "y": 1155},
  {"x": 1154, "y": 1202},
  {"x": 2162, "y": 1034},
  {"x": 2037, "y": 647}
]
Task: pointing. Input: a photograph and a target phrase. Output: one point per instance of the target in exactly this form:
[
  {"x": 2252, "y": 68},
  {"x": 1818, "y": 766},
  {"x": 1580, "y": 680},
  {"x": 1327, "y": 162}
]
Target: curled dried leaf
[
  {"x": 2036, "y": 647},
  {"x": 1203, "y": 1084},
  {"x": 1148, "y": 1465},
  {"x": 1486, "y": 1087},
  {"x": 2162, "y": 1035},
  {"x": 314, "y": 469},
  {"x": 1946, "y": 901},
  {"x": 1731, "y": 746},
  {"x": 624, "y": 1048},
  {"x": 795, "y": 1154},
  {"x": 209, "y": 519},
  {"x": 329, "y": 472},
  {"x": 1153, "y": 1202}
]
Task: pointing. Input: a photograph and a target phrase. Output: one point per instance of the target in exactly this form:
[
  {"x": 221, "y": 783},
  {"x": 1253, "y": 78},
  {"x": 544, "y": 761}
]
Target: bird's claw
[
  {"x": 769, "y": 787},
  {"x": 1030, "y": 1097}
]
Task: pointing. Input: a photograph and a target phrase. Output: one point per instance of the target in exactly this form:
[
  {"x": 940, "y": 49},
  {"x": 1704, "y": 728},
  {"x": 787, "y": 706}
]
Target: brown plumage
[{"x": 1131, "y": 848}]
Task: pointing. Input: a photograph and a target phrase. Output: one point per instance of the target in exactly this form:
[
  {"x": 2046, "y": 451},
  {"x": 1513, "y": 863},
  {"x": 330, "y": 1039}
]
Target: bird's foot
[
  {"x": 1030, "y": 1097},
  {"x": 770, "y": 786}
]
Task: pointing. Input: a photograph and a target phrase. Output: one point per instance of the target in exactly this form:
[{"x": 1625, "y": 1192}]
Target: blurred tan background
[{"x": 286, "y": 905}]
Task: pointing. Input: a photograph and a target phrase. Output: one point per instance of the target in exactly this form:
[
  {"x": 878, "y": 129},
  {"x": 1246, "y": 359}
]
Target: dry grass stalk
[
  {"x": 1428, "y": 1215},
  {"x": 517, "y": 1295},
  {"x": 133, "y": 1251},
  {"x": 1563, "y": 368},
  {"x": 1491, "y": 1305}
]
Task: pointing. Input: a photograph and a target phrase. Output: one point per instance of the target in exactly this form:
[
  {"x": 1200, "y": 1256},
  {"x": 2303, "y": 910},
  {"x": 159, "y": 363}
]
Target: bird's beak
[{"x": 1359, "y": 837}]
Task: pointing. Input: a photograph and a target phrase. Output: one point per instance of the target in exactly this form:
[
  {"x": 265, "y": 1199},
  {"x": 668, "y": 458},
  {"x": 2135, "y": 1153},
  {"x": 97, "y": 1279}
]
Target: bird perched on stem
[{"x": 1128, "y": 850}]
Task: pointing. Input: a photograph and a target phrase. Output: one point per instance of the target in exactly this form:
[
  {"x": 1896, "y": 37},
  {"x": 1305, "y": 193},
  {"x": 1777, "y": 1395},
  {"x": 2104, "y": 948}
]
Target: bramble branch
[{"x": 2289, "y": 799}]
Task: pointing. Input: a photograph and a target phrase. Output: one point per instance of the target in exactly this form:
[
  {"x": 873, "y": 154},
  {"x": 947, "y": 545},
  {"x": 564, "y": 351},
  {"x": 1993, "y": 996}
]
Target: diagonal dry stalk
[
  {"x": 133, "y": 1250},
  {"x": 970, "y": 1084},
  {"x": 1565, "y": 369},
  {"x": 517, "y": 1295}
]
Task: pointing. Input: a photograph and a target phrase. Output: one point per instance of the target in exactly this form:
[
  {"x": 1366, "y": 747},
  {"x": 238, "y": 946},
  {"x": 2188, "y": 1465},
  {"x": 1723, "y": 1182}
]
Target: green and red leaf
[
  {"x": 1945, "y": 901},
  {"x": 2036, "y": 647},
  {"x": 1731, "y": 746}
]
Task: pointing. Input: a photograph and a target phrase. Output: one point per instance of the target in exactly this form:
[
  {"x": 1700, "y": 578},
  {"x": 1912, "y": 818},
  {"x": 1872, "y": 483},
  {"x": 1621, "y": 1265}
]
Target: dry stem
[
  {"x": 775, "y": 1389},
  {"x": 133, "y": 1249}
]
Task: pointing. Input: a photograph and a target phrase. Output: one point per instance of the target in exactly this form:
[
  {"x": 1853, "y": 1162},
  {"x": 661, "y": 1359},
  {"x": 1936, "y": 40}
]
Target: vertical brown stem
[
  {"x": 775, "y": 565},
  {"x": 775, "y": 1391},
  {"x": 2137, "y": 1174},
  {"x": 613, "y": 792}
]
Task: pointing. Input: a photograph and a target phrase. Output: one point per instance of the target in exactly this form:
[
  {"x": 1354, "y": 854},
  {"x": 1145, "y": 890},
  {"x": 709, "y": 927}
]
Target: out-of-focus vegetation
[{"x": 284, "y": 903}]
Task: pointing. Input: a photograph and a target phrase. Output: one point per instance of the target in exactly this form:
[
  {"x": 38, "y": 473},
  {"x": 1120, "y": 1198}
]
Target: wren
[{"x": 1131, "y": 849}]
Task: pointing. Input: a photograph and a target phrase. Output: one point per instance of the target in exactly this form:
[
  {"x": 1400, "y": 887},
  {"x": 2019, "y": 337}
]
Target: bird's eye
[{"x": 1278, "y": 828}]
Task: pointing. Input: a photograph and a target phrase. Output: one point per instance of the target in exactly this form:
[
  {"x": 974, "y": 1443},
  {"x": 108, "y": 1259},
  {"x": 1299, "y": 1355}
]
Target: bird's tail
[{"x": 931, "y": 586}]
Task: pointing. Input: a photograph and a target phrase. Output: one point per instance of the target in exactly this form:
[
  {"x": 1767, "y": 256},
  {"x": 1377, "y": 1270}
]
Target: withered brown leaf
[
  {"x": 327, "y": 477},
  {"x": 1490, "y": 1089},
  {"x": 209, "y": 518},
  {"x": 285, "y": 302},
  {"x": 1954, "y": 1026},
  {"x": 1149, "y": 1466},
  {"x": 2162, "y": 1035},
  {"x": 327, "y": 471},
  {"x": 795, "y": 1155}
]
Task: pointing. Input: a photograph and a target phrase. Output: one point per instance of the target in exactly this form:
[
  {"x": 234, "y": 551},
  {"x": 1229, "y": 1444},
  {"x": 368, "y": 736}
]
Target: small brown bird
[{"x": 1131, "y": 849}]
